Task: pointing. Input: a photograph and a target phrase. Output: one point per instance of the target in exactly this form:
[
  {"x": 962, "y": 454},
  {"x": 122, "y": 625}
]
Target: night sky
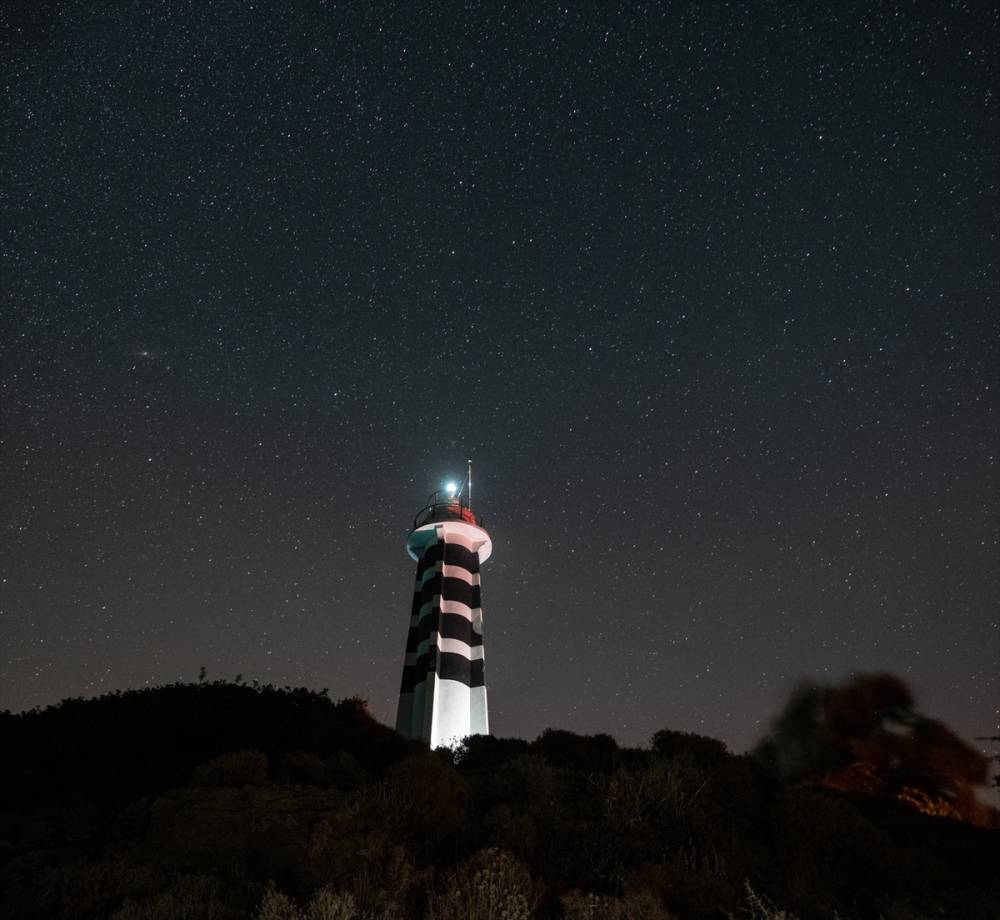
[{"x": 708, "y": 292}]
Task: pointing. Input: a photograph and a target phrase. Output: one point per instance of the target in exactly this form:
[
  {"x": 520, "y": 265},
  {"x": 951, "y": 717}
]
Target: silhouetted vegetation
[
  {"x": 994, "y": 757},
  {"x": 142, "y": 741},
  {"x": 865, "y": 736},
  {"x": 223, "y": 801}
]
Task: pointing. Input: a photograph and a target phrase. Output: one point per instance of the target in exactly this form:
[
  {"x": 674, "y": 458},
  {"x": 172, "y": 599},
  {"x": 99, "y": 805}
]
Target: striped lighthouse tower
[{"x": 443, "y": 695}]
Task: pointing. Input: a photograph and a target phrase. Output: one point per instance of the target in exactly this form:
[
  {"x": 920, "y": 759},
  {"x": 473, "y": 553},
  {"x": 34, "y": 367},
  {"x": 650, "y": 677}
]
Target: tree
[
  {"x": 865, "y": 735},
  {"x": 995, "y": 757}
]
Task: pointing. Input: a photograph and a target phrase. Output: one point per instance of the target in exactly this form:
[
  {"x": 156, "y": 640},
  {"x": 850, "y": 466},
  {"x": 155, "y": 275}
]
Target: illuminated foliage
[
  {"x": 858, "y": 777},
  {"x": 928, "y": 805}
]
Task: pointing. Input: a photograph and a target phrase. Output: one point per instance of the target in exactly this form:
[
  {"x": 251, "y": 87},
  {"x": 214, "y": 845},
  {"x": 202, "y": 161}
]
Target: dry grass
[{"x": 492, "y": 885}]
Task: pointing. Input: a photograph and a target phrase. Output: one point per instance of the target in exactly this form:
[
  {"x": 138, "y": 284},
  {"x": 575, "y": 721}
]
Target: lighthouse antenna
[{"x": 468, "y": 482}]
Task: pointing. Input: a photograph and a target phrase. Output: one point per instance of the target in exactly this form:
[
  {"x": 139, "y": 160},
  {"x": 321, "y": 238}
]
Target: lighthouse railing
[{"x": 447, "y": 510}]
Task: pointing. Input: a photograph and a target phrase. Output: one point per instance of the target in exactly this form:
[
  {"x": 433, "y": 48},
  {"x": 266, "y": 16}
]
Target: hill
[{"x": 224, "y": 801}]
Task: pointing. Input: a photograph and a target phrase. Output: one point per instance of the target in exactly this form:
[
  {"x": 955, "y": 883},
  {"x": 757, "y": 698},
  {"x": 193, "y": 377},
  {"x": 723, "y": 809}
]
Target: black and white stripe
[{"x": 443, "y": 692}]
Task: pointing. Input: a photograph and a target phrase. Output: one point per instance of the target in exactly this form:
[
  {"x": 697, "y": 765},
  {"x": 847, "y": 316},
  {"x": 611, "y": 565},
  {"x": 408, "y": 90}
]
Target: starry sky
[{"x": 708, "y": 292}]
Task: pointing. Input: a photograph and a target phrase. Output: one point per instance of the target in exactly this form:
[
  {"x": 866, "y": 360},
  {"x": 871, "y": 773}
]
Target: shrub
[
  {"x": 423, "y": 798},
  {"x": 327, "y": 904},
  {"x": 652, "y": 807},
  {"x": 382, "y": 884},
  {"x": 760, "y": 908},
  {"x": 526, "y": 783},
  {"x": 84, "y": 889},
  {"x": 190, "y": 897},
  {"x": 658, "y": 790},
  {"x": 492, "y": 885},
  {"x": 360, "y": 846},
  {"x": 698, "y": 750},
  {"x": 235, "y": 769},
  {"x": 581, "y": 752},
  {"x": 275, "y": 905},
  {"x": 634, "y": 906},
  {"x": 829, "y": 854},
  {"x": 692, "y": 880},
  {"x": 515, "y": 833},
  {"x": 741, "y": 785},
  {"x": 479, "y": 752},
  {"x": 303, "y": 768}
]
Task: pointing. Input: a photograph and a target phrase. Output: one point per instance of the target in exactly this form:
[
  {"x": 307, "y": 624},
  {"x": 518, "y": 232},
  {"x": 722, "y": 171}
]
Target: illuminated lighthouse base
[{"x": 443, "y": 694}]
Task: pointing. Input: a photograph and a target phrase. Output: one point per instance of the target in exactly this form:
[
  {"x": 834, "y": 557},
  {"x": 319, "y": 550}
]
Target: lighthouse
[{"x": 443, "y": 694}]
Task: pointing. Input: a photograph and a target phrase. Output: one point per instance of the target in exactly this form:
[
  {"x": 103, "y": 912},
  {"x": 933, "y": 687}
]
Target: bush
[
  {"x": 515, "y": 833},
  {"x": 363, "y": 846},
  {"x": 85, "y": 889},
  {"x": 303, "y": 768},
  {"x": 760, "y": 908},
  {"x": 638, "y": 906},
  {"x": 693, "y": 880},
  {"x": 235, "y": 770},
  {"x": 423, "y": 802},
  {"x": 658, "y": 791},
  {"x": 191, "y": 897},
  {"x": 328, "y": 904},
  {"x": 697, "y": 750},
  {"x": 478, "y": 752},
  {"x": 578, "y": 752},
  {"x": 275, "y": 905},
  {"x": 830, "y": 854},
  {"x": 492, "y": 885}
]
